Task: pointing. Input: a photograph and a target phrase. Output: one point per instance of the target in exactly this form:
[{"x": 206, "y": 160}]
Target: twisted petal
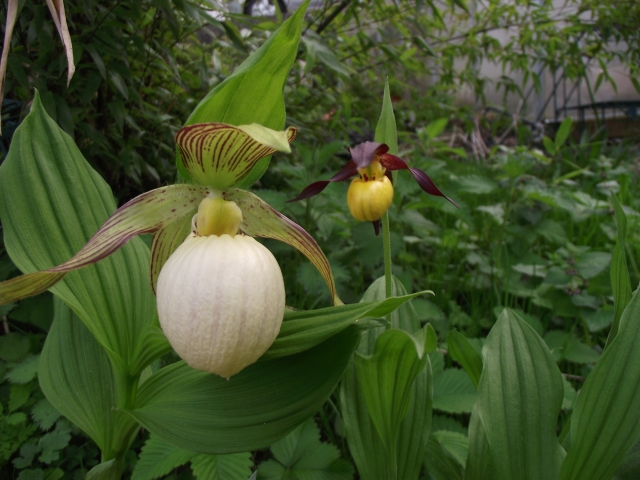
[
  {"x": 165, "y": 242},
  {"x": 391, "y": 162},
  {"x": 146, "y": 213},
  {"x": 260, "y": 220},
  {"x": 315, "y": 188},
  {"x": 220, "y": 155}
]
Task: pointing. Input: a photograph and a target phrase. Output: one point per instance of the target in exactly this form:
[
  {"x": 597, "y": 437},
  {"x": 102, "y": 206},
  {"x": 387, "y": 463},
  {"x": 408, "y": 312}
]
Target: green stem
[
  {"x": 386, "y": 245},
  {"x": 125, "y": 427}
]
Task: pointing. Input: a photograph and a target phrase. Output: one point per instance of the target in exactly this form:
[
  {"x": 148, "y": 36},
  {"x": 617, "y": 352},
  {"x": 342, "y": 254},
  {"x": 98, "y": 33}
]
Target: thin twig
[{"x": 333, "y": 15}]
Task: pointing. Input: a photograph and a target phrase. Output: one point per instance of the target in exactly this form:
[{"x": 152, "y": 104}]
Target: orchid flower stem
[{"x": 386, "y": 245}]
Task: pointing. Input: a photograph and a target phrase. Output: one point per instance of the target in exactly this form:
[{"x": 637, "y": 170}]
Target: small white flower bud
[{"x": 221, "y": 302}]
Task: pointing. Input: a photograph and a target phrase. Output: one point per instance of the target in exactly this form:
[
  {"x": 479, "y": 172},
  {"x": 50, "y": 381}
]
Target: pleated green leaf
[
  {"x": 51, "y": 203},
  {"x": 606, "y": 417},
  {"x": 76, "y": 376},
  {"x": 479, "y": 464},
  {"x": 254, "y": 92},
  {"x": 468, "y": 357},
  {"x": 205, "y": 413},
  {"x": 440, "y": 464},
  {"x": 630, "y": 467},
  {"x": 302, "y": 330},
  {"x": 620, "y": 281},
  {"x": 109, "y": 470},
  {"x": 386, "y": 128},
  {"x": 365, "y": 444},
  {"x": 387, "y": 376},
  {"x": 152, "y": 345},
  {"x": 455, "y": 444},
  {"x": 519, "y": 398}
]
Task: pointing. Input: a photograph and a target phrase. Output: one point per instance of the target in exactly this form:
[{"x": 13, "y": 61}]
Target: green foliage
[
  {"x": 453, "y": 391},
  {"x": 522, "y": 434},
  {"x": 534, "y": 233},
  {"x": 620, "y": 282},
  {"x": 610, "y": 396},
  {"x": 372, "y": 457},
  {"x": 158, "y": 459},
  {"x": 303, "y": 456},
  {"x": 205, "y": 413},
  {"x": 139, "y": 69},
  {"x": 58, "y": 229}
]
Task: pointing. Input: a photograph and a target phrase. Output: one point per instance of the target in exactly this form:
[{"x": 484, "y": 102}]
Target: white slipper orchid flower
[{"x": 220, "y": 293}]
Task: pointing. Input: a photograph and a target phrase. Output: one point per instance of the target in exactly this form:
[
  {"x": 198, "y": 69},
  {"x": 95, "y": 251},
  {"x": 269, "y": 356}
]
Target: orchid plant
[
  {"x": 252, "y": 370},
  {"x": 370, "y": 194},
  {"x": 217, "y": 275}
]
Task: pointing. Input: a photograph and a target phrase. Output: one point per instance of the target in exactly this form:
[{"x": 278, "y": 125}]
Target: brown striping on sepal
[
  {"x": 165, "y": 242},
  {"x": 28, "y": 285},
  {"x": 220, "y": 155},
  {"x": 146, "y": 213}
]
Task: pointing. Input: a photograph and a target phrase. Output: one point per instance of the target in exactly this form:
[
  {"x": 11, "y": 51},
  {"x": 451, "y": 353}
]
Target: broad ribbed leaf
[
  {"x": 76, "y": 376},
  {"x": 253, "y": 93},
  {"x": 144, "y": 214},
  {"x": 220, "y": 155},
  {"x": 158, "y": 458},
  {"x": 386, "y": 378},
  {"x": 365, "y": 444},
  {"x": 463, "y": 352},
  {"x": 519, "y": 398},
  {"x": 455, "y": 443},
  {"x": 152, "y": 344},
  {"x": 109, "y": 470},
  {"x": 606, "y": 417},
  {"x": 302, "y": 330},
  {"x": 260, "y": 220},
  {"x": 630, "y": 468},
  {"x": 51, "y": 203},
  {"x": 620, "y": 282},
  {"x": 479, "y": 464},
  {"x": 386, "y": 127},
  {"x": 439, "y": 463},
  {"x": 205, "y": 413}
]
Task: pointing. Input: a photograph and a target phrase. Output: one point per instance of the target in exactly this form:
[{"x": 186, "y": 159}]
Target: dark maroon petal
[
  {"x": 310, "y": 191},
  {"x": 391, "y": 162},
  {"x": 364, "y": 153},
  {"x": 346, "y": 173},
  {"x": 428, "y": 186},
  {"x": 315, "y": 188}
]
